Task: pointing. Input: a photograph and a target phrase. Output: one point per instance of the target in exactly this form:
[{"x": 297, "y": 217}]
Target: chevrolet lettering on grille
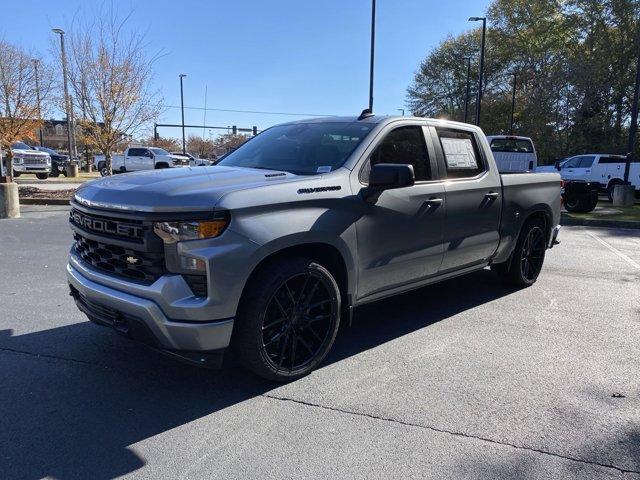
[{"x": 110, "y": 227}]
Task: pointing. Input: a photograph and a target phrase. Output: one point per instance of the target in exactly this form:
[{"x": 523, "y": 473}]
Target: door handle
[
  {"x": 492, "y": 195},
  {"x": 434, "y": 201}
]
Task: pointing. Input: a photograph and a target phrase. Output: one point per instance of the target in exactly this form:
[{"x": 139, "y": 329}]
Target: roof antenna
[{"x": 366, "y": 113}]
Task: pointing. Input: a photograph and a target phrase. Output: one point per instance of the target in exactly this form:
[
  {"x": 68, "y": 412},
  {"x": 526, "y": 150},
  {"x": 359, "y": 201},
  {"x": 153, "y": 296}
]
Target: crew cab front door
[
  {"x": 135, "y": 159},
  {"x": 399, "y": 234},
  {"x": 473, "y": 192}
]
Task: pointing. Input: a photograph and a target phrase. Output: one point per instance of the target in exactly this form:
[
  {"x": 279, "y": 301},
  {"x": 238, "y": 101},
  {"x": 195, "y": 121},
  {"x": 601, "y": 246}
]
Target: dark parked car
[{"x": 59, "y": 162}]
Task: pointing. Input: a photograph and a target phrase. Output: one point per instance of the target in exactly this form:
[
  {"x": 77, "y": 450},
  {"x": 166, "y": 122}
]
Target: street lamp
[
  {"x": 35, "y": 68},
  {"x": 467, "y": 93},
  {"x": 481, "y": 79},
  {"x": 67, "y": 103},
  {"x": 513, "y": 102},
  {"x": 373, "y": 44},
  {"x": 184, "y": 149}
]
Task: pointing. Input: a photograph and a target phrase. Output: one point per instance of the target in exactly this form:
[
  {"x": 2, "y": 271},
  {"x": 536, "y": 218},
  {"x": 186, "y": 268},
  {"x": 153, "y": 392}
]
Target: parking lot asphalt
[{"x": 466, "y": 379}]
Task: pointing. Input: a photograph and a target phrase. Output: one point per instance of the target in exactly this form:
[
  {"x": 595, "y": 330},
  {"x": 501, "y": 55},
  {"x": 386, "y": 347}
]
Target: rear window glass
[
  {"x": 461, "y": 153},
  {"x": 511, "y": 145}
]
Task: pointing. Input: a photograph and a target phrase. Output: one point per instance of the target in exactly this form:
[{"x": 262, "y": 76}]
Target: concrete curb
[
  {"x": 43, "y": 201},
  {"x": 590, "y": 222}
]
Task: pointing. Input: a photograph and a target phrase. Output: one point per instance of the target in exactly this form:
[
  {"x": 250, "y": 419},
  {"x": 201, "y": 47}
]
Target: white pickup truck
[
  {"x": 139, "y": 158},
  {"x": 607, "y": 170},
  {"x": 513, "y": 154}
]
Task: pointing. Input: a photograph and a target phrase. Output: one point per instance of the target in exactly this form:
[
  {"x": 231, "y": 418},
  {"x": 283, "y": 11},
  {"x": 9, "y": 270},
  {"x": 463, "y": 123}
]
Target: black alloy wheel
[
  {"x": 298, "y": 321},
  {"x": 287, "y": 319},
  {"x": 532, "y": 253}
]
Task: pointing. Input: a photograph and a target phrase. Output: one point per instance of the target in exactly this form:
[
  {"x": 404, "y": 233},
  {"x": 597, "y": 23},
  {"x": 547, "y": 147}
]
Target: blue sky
[{"x": 279, "y": 55}]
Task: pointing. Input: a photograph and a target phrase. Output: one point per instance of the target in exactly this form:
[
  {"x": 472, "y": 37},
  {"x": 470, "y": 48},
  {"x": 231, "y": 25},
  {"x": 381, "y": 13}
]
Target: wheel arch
[{"x": 329, "y": 255}]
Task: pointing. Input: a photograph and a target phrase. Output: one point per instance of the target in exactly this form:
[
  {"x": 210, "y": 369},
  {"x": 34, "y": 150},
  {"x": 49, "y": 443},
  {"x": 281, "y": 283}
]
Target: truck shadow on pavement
[{"x": 74, "y": 399}]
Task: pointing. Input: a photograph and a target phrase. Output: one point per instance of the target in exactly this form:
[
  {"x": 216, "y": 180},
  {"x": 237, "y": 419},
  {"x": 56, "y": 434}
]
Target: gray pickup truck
[{"x": 268, "y": 250}]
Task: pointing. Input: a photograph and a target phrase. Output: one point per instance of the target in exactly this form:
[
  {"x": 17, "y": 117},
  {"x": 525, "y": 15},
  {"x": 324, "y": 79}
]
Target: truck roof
[{"x": 373, "y": 119}]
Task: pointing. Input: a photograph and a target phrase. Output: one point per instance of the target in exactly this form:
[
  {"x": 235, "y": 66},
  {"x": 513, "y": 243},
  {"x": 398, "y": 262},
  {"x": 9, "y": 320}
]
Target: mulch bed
[{"x": 37, "y": 193}]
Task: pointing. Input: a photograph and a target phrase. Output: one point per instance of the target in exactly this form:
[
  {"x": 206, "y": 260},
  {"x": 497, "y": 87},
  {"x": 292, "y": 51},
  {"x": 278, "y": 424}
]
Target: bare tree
[
  {"x": 22, "y": 98},
  {"x": 111, "y": 75}
]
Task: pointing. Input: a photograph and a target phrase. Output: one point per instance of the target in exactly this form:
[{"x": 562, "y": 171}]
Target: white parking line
[{"x": 630, "y": 261}]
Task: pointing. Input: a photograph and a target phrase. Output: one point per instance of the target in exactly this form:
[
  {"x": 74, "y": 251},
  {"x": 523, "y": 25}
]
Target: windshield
[
  {"x": 159, "y": 151},
  {"x": 511, "y": 145},
  {"x": 48, "y": 150},
  {"x": 302, "y": 149},
  {"x": 21, "y": 146}
]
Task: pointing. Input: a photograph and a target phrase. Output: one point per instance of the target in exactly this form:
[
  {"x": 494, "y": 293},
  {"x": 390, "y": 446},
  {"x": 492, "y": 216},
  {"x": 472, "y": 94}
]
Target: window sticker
[
  {"x": 459, "y": 153},
  {"x": 324, "y": 169}
]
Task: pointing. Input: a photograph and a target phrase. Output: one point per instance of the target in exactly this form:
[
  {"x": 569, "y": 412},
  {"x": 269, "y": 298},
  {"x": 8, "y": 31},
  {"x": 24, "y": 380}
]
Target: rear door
[{"x": 473, "y": 194}]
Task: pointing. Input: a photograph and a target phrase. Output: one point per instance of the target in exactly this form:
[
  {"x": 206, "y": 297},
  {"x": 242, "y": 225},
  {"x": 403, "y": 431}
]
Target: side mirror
[
  {"x": 387, "y": 176},
  {"x": 557, "y": 165}
]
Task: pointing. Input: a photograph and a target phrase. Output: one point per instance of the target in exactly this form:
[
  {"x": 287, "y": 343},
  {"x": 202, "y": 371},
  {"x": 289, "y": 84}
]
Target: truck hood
[{"x": 174, "y": 189}]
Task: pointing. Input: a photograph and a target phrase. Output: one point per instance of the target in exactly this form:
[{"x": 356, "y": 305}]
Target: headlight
[
  {"x": 172, "y": 232},
  {"x": 17, "y": 160}
]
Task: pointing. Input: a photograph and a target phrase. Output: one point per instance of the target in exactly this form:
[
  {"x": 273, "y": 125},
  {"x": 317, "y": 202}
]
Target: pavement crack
[
  {"x": 54, "y": 357},
  {"x": 451, "y": 432}
]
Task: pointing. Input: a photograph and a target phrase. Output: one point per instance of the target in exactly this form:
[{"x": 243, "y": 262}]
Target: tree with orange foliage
[{"x": 20, "y": 109}]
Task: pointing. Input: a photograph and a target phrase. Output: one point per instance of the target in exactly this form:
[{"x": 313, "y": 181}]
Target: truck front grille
[
  {"x": 123, "y": 262},
  {"x": 34, "y": 159}
]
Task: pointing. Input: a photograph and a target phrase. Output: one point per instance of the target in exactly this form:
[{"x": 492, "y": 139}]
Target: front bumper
[
  {"x": 142, "y": 319},
  {"x": 31, "y": 168}
]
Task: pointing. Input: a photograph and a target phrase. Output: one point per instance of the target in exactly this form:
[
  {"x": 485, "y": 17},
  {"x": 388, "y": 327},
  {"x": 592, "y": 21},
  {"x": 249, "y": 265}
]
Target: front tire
[
  {"x": 102, "y": 167},
  {"x": 42, "y": 176},
  {"x": 288, "y": 319},
  {"x": 528, "y": 256}
]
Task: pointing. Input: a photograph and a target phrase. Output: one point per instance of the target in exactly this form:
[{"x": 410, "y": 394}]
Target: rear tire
[
  {"x": 42, "y": 176},
  {"x": 528, "y": 256},
  {"x": 54, "y": 172},
  {"x": 610, "y": 188},
  {"x": 580, "y": 204},
  {"x": 288, "y": 319}
]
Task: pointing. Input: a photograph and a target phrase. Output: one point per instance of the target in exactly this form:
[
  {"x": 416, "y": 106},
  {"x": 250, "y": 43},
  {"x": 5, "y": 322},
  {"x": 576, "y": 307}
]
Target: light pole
[
  {"x": 401, "y": 110},
  {"x": 513, "y": 102},
  {"x": 184, "y": 148},
  {"x": 468, "y": 90},
  {"x": 373, "y": 44},
  {"x": 67, "y": 103},
  {"x": 35, "y": 68},
  {"x": 481, "y": 79}
]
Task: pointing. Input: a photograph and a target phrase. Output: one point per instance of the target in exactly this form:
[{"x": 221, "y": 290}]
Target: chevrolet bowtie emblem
[{"x": 133, "y": 260}]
